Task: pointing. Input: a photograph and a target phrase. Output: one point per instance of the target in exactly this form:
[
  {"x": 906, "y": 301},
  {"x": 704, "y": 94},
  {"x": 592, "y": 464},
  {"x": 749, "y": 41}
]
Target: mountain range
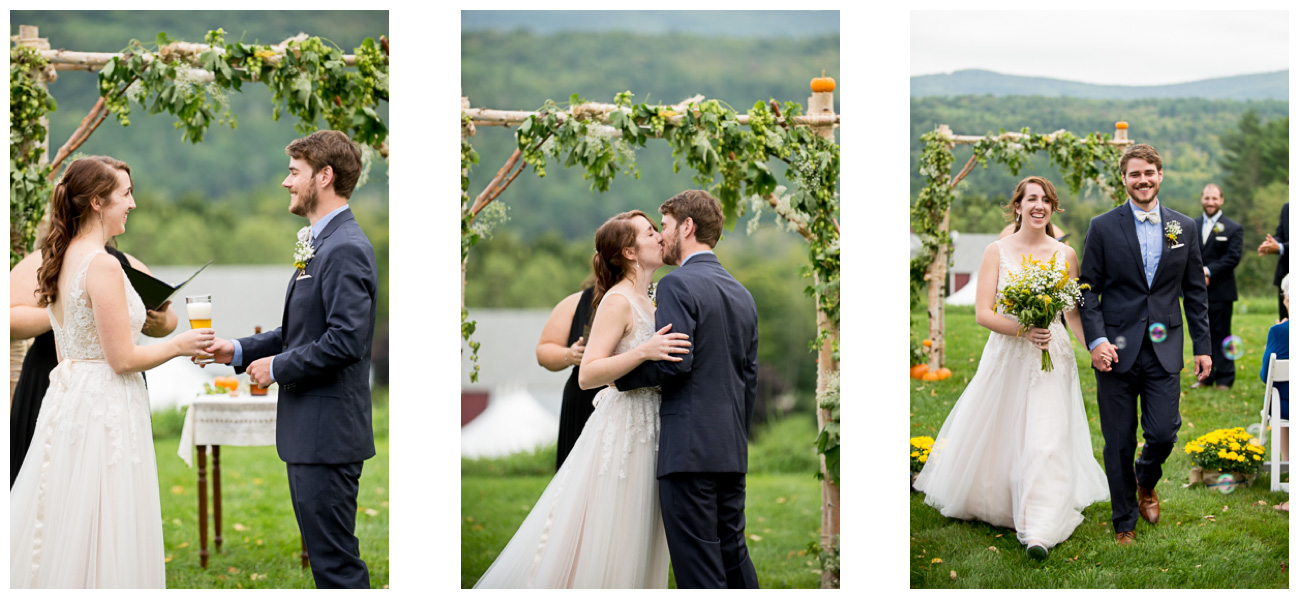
[{"x": 1260, "y": 86}]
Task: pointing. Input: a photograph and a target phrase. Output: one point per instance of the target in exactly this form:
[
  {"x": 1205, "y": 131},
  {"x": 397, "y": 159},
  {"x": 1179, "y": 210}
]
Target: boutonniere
[
  {"x": 302, "y": 251},
  {"x": 1172, "y": 231},
  {"x": 1218, "y": 228}
]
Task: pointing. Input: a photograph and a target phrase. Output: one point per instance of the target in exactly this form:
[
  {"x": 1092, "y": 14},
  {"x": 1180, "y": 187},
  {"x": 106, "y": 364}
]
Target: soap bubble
[
  {"x": 1158, "y": 332},
  {"x": 1226, "y": 483},
  {"x": 1121, "y": 343},
  {"x": 1233, "y": 348}
]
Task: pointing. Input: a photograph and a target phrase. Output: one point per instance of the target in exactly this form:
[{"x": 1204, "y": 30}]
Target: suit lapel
[
  {"x": 1165, "y": 218},
  {"x": 317, "y": 244},
  {"x": 1129, "y": 226}
]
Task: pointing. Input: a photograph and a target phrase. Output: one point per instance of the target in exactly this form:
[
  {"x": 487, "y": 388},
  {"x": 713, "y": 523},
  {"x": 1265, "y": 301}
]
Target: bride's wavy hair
[
  {"x": 608, "y": 265},
  {"x": 70, "y": 210},
  {"x": 1049, "y": 192}
]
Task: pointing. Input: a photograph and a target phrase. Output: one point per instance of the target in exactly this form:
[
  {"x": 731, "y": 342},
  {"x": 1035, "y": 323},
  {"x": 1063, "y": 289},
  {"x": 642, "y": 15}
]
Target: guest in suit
[
  {"x": 1277, "y": 244},
  {"x": 1279, "y": 342},
  {"x": 708, "y": 400},
  {"x": 561, "y": 346},
  {"x": 320, "y": 356},
  {"x": 1221, "y": 241}
]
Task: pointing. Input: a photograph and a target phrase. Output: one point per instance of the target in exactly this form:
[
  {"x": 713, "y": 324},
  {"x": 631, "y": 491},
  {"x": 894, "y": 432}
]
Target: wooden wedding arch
[
  {"x": 308, "y": 79},
  {"x": 712, "y": 141},
  {"x": 1089, "y": 160}
]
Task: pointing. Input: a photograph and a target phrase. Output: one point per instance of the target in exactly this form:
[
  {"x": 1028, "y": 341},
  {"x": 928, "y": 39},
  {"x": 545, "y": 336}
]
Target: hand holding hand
[
  {"x": 573, "y": 355},
  {"x": 260, "y": 372},
  {"x": 194, "y": 342},
  {"x": 1103, "y": 356},
  {"x": 222, "y": 351},
  {"x": 663, "y": 345},
  {"x": 1269, "y": 246},
  {"x": 1203, "y": 365},
  {"x": 1038, "y": 337}
]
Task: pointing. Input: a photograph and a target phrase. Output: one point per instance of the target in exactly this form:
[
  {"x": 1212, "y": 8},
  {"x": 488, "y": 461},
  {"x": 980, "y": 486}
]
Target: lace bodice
[
  {"x": 643, "y": 324},
  {"x": 78, "y": 338}
]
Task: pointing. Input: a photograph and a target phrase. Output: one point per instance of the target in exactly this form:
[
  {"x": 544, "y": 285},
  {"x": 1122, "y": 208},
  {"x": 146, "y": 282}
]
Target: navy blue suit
[
  {"x": 323, "y": 422},
  {"x": 1282, "y": 235},
  {"x": 708, "y": 401},
  {"x": 1121, "y": 305},
  {"x": 1221, "y": 252}
]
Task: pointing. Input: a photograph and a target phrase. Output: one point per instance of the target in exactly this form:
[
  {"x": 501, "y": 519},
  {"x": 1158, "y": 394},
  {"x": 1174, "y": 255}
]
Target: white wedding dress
[
  {"x": 1015, "y": 450},
  {"x": 597, "y": 524},
  {"x": 85, "y": 511}
]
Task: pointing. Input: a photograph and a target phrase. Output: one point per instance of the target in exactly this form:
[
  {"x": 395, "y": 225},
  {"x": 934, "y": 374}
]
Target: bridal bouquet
[{"x": 1038, "y": 294}]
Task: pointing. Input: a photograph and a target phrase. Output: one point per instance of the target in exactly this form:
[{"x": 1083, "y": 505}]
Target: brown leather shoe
[
  {"x": 1148, "y": 505},
  {"x": 1125, "y": 538}
]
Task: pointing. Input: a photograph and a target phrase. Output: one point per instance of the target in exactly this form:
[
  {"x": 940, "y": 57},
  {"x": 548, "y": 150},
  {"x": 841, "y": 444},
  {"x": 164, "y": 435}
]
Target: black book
[{"x": 153, "y": 291}]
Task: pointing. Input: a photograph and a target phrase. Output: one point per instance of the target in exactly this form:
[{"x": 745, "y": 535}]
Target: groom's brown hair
[
  {"x": 700, "y": 207},
  {"x": 332, "y": 149},
  {"x": 1143, "y": 152}
]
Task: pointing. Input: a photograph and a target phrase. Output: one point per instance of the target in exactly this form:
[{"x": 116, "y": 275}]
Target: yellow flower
[
  {"x": 1235, "y": 446},
  {"x": 1241, "y": 459},
  {"x": 1223, "y": 454},
  {"x": 915, "y": 454},
  {"x": 923, "y": 458}
]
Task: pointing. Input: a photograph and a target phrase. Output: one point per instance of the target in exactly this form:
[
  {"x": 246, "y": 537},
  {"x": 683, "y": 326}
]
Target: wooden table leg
[
  {"x": 306, "y": 560},
  {"x": 216, "y": 495},
  {"x": 203, "y": 505}
]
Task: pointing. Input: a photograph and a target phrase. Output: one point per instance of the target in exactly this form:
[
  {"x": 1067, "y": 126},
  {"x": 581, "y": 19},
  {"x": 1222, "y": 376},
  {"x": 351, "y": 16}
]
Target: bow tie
[{"x": 1152, "y": 216}]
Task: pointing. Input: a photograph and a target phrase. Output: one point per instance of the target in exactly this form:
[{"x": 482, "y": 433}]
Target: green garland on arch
[
  {"x": 1088, "y": 160},
  {"x": 29, "y": 184}
]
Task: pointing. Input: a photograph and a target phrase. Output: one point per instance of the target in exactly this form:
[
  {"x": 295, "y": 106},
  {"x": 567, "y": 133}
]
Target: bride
[
  {"x": 84, "y": 511},
  {"x": 1015, "y": 450},
  {"x": 597, "y": 524}
]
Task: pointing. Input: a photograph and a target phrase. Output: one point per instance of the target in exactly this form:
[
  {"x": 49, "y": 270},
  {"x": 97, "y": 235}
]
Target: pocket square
[
  {"x": 1220, "y": 238},
  {"x": 1171, "y": 248},
  {"x": 302, "y": 277}
]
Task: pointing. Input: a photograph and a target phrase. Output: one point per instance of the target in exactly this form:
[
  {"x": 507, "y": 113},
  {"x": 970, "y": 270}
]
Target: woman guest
[
  {"x": 26, "y": 321},
  {"x": 561, "y": 346},
  {"x": 1279, "y": 343}
]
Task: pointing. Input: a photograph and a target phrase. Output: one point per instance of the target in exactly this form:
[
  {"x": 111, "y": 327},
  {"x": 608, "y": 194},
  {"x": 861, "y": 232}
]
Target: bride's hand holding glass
[
  {"x": 194, "y": 342},
  {"x": 664, "y": 345}
]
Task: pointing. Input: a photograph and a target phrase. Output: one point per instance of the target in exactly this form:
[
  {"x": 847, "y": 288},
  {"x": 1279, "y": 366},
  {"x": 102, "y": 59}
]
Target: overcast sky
[{"x": 1103, "y": 47}]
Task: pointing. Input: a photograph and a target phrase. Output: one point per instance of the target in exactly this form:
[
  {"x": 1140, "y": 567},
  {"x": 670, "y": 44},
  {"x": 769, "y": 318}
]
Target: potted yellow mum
[{"x": 1224, "y": 451}]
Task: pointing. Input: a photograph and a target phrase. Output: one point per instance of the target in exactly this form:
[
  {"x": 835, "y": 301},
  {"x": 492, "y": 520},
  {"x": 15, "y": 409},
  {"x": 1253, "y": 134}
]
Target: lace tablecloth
[{"x": 244, "y": 421}]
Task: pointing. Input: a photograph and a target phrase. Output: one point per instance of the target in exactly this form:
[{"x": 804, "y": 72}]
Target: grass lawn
[
  {"x": 259, "y": 530},
  {"x": 782, "y": 504},
  {"x": 1204, "y": 539}
]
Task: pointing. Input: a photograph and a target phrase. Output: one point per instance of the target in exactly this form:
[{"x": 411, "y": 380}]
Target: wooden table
[{"x": 238, "y": 421}]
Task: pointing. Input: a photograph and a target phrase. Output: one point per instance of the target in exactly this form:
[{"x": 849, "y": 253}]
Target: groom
[
  {"x": 1138, "y": 259},
  {"x": 708, "y": 400},
  {"x": 320, "y": 356}
]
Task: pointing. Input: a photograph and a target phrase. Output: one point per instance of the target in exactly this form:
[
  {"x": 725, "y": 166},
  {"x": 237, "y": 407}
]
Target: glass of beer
[{"x": 199, "y": 309}]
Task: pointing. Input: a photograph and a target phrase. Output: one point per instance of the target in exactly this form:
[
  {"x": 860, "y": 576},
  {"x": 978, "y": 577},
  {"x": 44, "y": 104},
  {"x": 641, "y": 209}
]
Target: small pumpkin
[
  {"x": 1121, "y": 125},
  {"x": 919, "y": 370},
  {"x": 926, "y": 343},
  {"x": 823, "y": 83},
  {"x": 930, "y": 376},
  {"x": 944, "y": 373}
]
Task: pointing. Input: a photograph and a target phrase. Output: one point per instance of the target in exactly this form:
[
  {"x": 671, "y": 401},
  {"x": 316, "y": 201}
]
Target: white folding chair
[{"x": 1271, "y": 418}]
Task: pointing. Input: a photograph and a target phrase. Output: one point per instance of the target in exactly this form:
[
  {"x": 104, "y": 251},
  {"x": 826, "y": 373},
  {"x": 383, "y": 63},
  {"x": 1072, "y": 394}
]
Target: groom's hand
[
  {"x": 222, "y": 351},
  {"x": 1203, "y": 365},
  {"x": 1103, "y": 356},
  {"x": 260, "y": 371}
]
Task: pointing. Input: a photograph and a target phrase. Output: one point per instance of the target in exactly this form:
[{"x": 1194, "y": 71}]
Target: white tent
[
  {"x": 514, "y": 421},
  {"x": 966, "y": 295}
]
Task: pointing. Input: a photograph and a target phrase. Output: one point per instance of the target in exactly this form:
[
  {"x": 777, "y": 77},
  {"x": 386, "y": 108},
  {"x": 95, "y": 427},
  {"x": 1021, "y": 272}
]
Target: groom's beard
[
  {"x": 307, "y": 201},
  {"x": 672, "y": 254},
  {"x": 1154, "y": 190}
]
